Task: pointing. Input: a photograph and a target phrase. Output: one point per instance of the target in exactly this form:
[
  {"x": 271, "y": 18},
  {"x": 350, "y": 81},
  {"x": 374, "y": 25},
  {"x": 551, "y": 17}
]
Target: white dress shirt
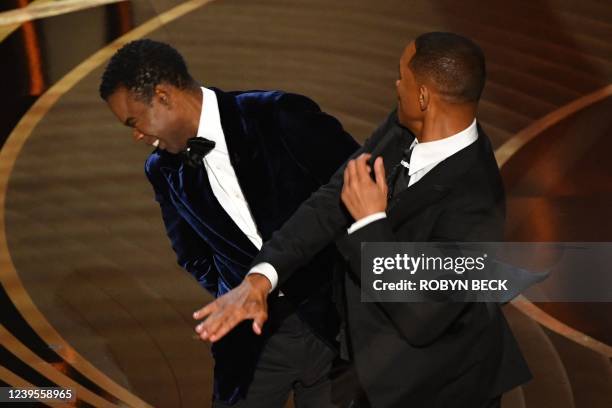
[
  {"x": 425, "y": 157},
  {"x": 221, "y": 174}
]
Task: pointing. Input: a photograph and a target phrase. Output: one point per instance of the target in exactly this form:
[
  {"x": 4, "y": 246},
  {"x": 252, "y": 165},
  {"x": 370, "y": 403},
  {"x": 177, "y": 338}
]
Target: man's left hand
[
  {"x": 360, "y": 194},
  {"x": 246, "y": 301}
]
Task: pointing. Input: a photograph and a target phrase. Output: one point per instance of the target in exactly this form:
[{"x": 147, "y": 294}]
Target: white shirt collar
[
  {"x": 431, "y": 153},
  {"x": 210, "y": 121}
]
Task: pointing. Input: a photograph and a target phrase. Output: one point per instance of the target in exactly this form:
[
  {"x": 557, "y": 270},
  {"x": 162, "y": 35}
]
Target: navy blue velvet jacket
[{"x": 282, "y": 148}]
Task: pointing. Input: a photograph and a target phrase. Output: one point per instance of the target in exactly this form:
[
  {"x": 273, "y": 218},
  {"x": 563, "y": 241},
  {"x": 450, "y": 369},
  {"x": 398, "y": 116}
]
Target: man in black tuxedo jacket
[
  {"x": 444, "y": 185},
  {"x": 228, "y": 170}
]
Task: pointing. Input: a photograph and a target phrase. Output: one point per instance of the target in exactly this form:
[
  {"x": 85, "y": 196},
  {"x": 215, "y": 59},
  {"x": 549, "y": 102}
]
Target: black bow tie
[{"x": 197, "y": 149}]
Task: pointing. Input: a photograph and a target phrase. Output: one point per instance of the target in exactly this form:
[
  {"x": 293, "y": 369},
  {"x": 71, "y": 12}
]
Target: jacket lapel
[
  {"x": 435, "y": 184},
  {"x": 391, "y": 147},
  {"x": 192, "y": 189},
  {"x": 248, "y": 161}
]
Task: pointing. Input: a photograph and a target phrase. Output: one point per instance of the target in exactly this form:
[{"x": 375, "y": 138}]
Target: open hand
[{"x": 246, "y": 301}]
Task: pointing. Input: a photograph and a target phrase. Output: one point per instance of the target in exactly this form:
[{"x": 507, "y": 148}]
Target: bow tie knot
[{"x": 197, "y": 148}]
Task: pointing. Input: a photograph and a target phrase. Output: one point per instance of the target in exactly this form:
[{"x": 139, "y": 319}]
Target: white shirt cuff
[
  {"x": 268, "y": 271},
  {"x": 365, "y": 221}
]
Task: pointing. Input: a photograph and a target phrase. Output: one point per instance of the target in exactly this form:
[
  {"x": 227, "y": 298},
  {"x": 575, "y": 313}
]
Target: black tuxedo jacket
[
  {"x": 408, "y": 354},
  {"x": 282, "y": 148}
]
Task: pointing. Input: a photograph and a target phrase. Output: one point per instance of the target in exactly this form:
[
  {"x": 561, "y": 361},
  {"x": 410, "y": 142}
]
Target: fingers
[
  {"x": 347, "y": 177},
  {"x": 247, "y": 301},
  {"x": 222, "y": 326},
  {"x": 226, "y": 325},
  {"x": 350, "y": 173},
  {"x": 357, "y": 169},
  {"x": 361, "y": 167},
  {"x": 217, "y": 314},
  {"x": 344, "y": 194},
  {"x": 206, "y": 310},
  {"x": 222, "y": 322},
  {"x": 211, "y": 325},
  {"x": 209, "y": 310},
  {"x": 350, "y": 183},
  {"x": 379, "y": 171},
  {"x": 258, "y": 322}
]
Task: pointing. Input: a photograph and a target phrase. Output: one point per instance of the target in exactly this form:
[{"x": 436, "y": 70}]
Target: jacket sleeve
[
  {"x": 193, "y": 253},
  {"x": 321, "y": 219},
  {"x": 462, "y": 220}
]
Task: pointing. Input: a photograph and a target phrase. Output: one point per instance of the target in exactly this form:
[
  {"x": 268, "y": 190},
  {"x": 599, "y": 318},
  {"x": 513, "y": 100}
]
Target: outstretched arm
[
  {"x": 317, "y": 222},
  {"x": 322, "y": 218}
]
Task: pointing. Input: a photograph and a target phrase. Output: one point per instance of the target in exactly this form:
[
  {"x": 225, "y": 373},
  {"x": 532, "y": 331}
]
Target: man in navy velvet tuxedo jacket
[{"x": 272, "y": 150}]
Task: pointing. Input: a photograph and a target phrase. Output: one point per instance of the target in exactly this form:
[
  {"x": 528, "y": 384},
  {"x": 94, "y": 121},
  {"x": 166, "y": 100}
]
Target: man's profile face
[
  {"x": 154, "y": 123},
  {"x": 408, "y": 108}
]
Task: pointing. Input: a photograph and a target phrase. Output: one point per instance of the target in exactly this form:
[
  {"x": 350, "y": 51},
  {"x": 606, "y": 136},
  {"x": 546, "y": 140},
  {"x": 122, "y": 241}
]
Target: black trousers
[{"x": 293, "y": 359}]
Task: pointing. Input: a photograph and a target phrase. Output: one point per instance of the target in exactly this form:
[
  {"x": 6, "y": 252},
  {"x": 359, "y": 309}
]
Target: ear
[
  {"x": 162, "y": 95},
  {"x": 423, "y": 98}
]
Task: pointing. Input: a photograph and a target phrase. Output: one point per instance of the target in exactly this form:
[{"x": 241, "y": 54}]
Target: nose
[{"x": 137, "y": 135}]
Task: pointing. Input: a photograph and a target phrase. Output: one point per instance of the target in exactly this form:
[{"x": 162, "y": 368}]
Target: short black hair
[
  {"x": 454, "y": 64},
  {"x": 141, "y": 65}
]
